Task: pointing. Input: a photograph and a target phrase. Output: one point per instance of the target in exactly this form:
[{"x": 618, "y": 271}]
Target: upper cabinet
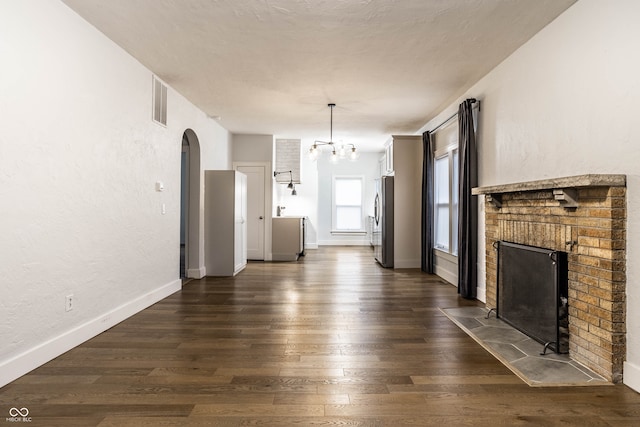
[
  {"x": 388, "y": 155},
  {"x": 386, "y": 162}
]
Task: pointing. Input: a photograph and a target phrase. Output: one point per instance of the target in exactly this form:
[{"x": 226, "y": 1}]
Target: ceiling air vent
[{"x": 159, "y": 102}]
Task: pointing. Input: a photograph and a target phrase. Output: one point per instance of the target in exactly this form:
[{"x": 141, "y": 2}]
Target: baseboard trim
[
  {"x": 196, "y": 273},
  {"x": 406, "y": 263},
  {"x": 343, "y": 243},
  {"x": 446, "y": 275},
  {"x": 631, "y": 376},
  {"x": 32, "y": 358}
]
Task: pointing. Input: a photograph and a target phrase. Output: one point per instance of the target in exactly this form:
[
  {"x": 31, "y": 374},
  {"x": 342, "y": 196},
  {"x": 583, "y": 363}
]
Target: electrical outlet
[{"x": 68, "y": 303}]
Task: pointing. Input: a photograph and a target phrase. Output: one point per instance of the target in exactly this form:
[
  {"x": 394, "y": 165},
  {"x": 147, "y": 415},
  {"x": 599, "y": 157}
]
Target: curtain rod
[{"x": 448, "y": 119}]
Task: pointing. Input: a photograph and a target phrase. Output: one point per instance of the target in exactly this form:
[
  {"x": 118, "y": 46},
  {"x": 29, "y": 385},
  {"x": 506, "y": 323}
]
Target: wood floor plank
[
  {"x": 424, "y": 409},
  {"x": 310, "y": 399},
  {"x": 311, "y": 372},
  {"x": 302, "y": 344},
  {"x": 243, "y": 410}
]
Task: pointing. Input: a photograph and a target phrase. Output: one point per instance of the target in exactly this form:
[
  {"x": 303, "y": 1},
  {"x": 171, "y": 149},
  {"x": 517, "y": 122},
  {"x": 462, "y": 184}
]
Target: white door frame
[
  {"x": 184, "y": 206},
  {"x": 268, "y": 183}
]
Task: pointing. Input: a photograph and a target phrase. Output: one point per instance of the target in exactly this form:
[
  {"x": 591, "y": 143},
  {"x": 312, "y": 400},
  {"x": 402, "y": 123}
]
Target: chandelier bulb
[
  {"x": 315, "y": 152},
  {"x": 342, "y": 151}
]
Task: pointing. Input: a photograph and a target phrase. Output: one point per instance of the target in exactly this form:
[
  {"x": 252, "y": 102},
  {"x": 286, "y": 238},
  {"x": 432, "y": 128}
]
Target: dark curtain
[
  {"x": 427, "y": 204},
  {"x": 467, "y": 204}
]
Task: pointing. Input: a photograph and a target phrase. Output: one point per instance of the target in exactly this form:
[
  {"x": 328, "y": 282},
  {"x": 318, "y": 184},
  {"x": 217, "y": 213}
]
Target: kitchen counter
[{"x": 287, "y": 238}]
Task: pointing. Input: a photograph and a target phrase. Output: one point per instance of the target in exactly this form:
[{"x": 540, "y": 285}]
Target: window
[
  {"x": 347, "y": 204},
  {"x": 441, "y": 199},
  {"x": 446, "y": 201}
]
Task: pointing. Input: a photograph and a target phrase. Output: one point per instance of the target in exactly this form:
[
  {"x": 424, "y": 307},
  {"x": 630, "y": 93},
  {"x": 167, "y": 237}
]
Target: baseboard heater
[{"x": 533, "y": 293}]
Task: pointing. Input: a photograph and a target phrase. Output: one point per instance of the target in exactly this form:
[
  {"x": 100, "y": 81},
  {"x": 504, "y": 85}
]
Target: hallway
[{"x": 330, "y": 340}]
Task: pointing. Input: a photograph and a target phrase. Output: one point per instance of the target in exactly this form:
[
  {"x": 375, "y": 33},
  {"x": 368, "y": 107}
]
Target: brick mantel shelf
[{"x": 584, "y": 216}]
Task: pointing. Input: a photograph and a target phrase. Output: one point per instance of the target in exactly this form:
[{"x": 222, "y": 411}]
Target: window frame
[
  {"x": 334, "y": 205},
  {"x": 450, "y": 152}
]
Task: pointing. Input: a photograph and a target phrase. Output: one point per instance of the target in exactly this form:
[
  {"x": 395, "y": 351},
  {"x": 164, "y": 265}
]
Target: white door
[{"x": 255, "y": 211}]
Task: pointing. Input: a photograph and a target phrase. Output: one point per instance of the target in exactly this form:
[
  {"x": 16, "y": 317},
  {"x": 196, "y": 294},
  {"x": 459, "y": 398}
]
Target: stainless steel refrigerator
[{"x": 383, "y": 222}]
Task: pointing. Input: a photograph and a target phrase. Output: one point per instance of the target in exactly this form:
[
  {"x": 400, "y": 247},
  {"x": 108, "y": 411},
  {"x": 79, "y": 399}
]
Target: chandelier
[{"x": 344, "y": 151}]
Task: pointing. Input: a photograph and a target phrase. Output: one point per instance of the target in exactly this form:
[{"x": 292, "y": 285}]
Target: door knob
[{"x": 260, "y": 217}]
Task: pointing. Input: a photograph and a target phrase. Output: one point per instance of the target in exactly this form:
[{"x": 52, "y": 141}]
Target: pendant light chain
[{"x": 331, "y": 123}]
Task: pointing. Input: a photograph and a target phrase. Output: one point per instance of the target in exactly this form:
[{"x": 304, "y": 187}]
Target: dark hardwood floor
[{"x": 332, "y": 340}]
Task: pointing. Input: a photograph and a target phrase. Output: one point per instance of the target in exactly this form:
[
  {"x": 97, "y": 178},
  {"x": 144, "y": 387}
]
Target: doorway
[
  {"x": 190, "y": 262},
  {"x": 184, "y": 206},
  {"x": 258, "y": 221}
]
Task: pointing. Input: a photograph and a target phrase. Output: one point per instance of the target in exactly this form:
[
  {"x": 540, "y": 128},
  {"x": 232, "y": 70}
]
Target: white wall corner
[
  {"x": 632, "y": 376},
  {"x": 481, "y": 294},
  {"x": 197, "y": 273},
  {"x": 29, "y": 360},
  {"x": 481, "y": 288}
]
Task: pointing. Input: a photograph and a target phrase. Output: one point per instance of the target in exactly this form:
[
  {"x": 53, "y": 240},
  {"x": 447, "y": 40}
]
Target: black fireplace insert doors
[{"x": 533, "y": 293}]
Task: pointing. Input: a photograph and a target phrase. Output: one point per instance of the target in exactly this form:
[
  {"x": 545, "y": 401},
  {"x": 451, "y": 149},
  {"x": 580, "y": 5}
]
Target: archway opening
[{"x": 190, "y": 253}]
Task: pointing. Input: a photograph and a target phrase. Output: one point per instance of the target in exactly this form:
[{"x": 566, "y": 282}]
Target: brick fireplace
[{"x": 584, "y": 216}]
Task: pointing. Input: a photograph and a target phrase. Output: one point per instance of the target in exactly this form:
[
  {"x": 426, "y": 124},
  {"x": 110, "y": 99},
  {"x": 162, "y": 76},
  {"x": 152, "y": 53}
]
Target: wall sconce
[{"x": 291, "y": 185}]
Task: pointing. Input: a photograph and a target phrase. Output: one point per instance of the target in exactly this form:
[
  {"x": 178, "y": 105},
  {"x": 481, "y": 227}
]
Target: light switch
[
  {"x": 159, "y": 186},
  {"x": 164, "y": 209}
]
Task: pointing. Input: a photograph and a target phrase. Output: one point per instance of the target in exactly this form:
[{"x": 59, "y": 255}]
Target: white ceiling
[{"x": 272, "y": 66}]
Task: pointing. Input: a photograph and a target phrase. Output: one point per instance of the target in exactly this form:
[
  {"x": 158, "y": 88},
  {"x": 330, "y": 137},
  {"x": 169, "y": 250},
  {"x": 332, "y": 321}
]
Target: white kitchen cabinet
[
  {"x": 225, "y": 228},
  {"x": 287, "y": 241}
]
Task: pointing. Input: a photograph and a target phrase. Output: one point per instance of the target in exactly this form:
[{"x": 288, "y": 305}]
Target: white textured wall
[
  {"x": 305, "y": 203},
  {"x": 367, "y": 166},
  {"x": 79, "y": 158},
  {"x": 252, "y": 148},
  {"x": 566, "y": 103}
]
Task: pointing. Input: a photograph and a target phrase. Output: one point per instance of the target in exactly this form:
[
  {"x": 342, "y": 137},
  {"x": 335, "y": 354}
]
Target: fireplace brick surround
[{"x": 584, "y": 216}]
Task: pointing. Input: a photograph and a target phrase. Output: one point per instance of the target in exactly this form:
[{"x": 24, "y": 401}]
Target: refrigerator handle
[{"x": 376, "y": 215}]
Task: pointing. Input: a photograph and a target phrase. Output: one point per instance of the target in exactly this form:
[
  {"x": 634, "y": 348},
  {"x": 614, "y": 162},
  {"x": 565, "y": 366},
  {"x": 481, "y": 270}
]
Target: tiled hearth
[
  {"x": 584, "y": 216},
  {"x": 520, "y": 353}
]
